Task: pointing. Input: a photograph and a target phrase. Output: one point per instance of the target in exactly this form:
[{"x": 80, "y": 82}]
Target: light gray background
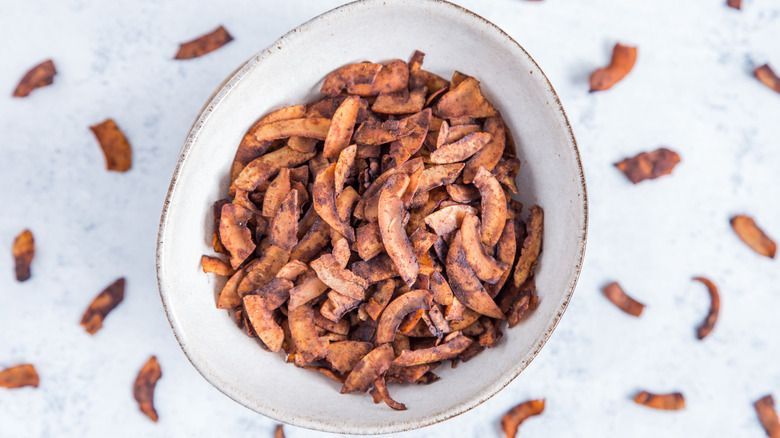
[{"x": 691, "y": 90}]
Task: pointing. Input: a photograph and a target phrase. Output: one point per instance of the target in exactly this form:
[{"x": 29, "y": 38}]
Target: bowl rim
[{"x": 213, "y": 102}]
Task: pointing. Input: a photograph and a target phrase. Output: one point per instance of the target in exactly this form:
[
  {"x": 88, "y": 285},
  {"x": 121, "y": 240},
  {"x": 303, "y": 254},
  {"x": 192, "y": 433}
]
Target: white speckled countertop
[{"x": 692, "y": 90}]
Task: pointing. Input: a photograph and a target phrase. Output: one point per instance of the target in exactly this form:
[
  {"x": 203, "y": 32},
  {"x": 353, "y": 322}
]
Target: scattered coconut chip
[
  {"x": 615, "y": 293},
  {"x": 753, "y": 236},
  {"x": 143, "y": 388},
  {"x": 23, "y": 251},
  {"x": 736, "y": 4},
  {"x": 104, "y": 303},
  {"x": 668, "y": 402},
  {"x": 39, "y": 76},
  {"x": 709, "y": 323},
  {"x": 216, "y": 265},
  {"x": 204, "y": 44},
  {"x": 649, "y": 165},
  {"x": 767, "y": 415},
  {"x": 623, "y": 59},
  {"x": 116, "y": 149},
  {"x": 19, "y": 376},
  {"x": 767, "y": 77},
  {"x": 511, "y": 421}
]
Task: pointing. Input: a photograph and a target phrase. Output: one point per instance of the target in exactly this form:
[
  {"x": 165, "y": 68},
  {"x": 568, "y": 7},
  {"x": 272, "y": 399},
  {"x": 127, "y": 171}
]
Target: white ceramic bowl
[{"x": 289, "y": 72}]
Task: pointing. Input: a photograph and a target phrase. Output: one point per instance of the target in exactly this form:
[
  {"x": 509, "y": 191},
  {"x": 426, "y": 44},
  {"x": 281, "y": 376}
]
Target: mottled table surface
[{"x": 692, "y": 90}]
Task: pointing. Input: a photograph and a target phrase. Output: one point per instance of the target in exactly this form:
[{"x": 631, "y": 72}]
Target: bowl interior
[{"x": 291, "y": 72}]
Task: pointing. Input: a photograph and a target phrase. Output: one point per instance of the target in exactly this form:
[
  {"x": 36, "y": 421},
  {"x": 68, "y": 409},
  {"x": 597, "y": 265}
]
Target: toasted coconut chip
[
  {"x": 380, "y": 298},
  {"x": 712, "y": 317},
  {"x": 395, "y": 312},
  {"x": 467, "y": 319},
  {"x": 394, "y": 236},
  {"x": 464, "y": 100},
  {"x": 767, "y": 77},
  {"x": 377, "y": 269},
  {"x": 615, "y": 293},
  {"x": 349, "y": 76},
  {"x": 753, "y": 236},
  {"x": 434, "y": 319},
  {"x": 491, "y": 334},
  {"x": 216, "y": 265},
  {"x": 309, "y": 289},
  {"x": 338, "y": 279},
  {"x": 403, "y": 148},
  {"x": 204, "y": 44},
  {"x": 19, "y": 376},
  {"x": 344, "y": 167},
  {"x": 434, "y": 83},
  {"x": 369, "y": 241},
  {"x": 262, "y": 320},
  {"x": 393, "y": 76},
  {"x": 461, "y": 149},
  {"x": 518, "y": 301},
  {"x": 765, "y": 408},
  {"x": 308, "y": 345},
  {"x": 276, "y": 192},
  {"x": 442, "y": 293},
  {"x": 490, "y": 154},
  {"x": 345, "y": 206},
  {"x": 447, "y": 350},
  {"x": 313, "y": 242},
  {"x": 337, "y": 305},
  {"x": 368, "y": 369},
  {"x": 441, "y": 175},
  {"x": 457, "y": 79},
  {"x": 381, "y": 387},
  {"x": 116, "y": 148},
  {"x": 261, "y": 169},
  {"x": 448, "y": 219},
  {"x": 465, "y": 284},
  {"x": 623, "y": 59},
  {"x": 339, "y": 327},
  {"x": 410, "y": 321},
  {"x": 511, "y": 421},
  {"x": 375, "y": 132},
  {"x": 649, "y": 165},
  {"x": 235, "y": 234},
  {"x": 377, "y": 184},
  {"x": 217, "y": 209},
  {"x": 292, "y": 270},
  {"x": 279, "y": 432},
  {"x": 485, "y": 266},
  {"x": 396, "y": 185},
  {"x": 324, "y": 199},
  {"x": 229, "y": 297},
  {"x": 313, "y": 127},
  {"x": 344, "y": 355},
  {"x": 39, "y": 76},
  {"x": 104, "y": 303},
  {"x": 529, "y": 254},
  {"x": 143, "y": 388},
  {"x": 250, "y": 148},
  {"x": 329, "y": 373},
  {"x": 493, "y": 206},
  {"x": 669, "y": 402},
  {"x": 23, "y": 251},
  {"x": 506, "y": 249},
  {"x": 284, "y": 225},
  {"x": 736, "y": 4},
  {"x": 415, "y": 66},
  {"x": 421, "y": 241},
  {"x": 276, "y": 292},
  {"x": 400, "y": 102},
  {"x": 264, "y": 269},
  {"x": 464, "y": 194},
  {"x": 341, "y": 127}
]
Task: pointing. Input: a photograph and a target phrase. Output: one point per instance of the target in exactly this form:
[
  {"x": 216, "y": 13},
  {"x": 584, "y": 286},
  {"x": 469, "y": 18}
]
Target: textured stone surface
[{"x": 691, "y": 90}]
